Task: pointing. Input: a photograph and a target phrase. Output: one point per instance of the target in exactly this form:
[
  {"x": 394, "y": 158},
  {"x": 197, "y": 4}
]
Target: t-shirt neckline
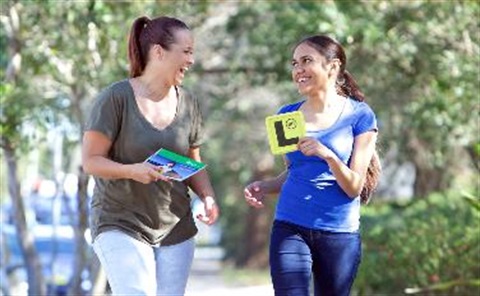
[
  {"x": 142, "y": 117},
  {"x": 344, "y": 107}
]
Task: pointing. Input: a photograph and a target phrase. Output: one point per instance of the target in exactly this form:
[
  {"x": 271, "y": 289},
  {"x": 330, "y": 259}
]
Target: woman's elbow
[
  {"x": 353, "y": 193},
  {"x": 355, "y": 190},
  {"x": 86, "y": 166}
]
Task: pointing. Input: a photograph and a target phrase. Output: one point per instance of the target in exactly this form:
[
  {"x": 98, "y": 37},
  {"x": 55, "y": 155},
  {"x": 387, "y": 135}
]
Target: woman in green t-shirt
[{"x": 141, "y": 222}]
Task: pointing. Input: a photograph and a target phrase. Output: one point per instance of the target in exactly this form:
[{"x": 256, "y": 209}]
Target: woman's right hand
[
  {"x": 254, "y": 194},
  {"x": 146, "y": 173}
]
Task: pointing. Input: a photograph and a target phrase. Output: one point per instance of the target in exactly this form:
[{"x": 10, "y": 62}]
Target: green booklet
[{"x": 175, "y": 166}]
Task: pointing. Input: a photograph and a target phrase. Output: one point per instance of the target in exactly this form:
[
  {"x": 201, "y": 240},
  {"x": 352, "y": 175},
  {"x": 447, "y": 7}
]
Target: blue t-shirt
[{"x": 310, "y": 196}]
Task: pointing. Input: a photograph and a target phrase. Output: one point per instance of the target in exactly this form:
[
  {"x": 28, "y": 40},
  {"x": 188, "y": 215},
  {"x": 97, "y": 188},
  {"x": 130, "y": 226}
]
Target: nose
[
  {"x": 191, "y": 60},
  {"x": 301, "y": 69},
  {"x": 297, "y": 70}
]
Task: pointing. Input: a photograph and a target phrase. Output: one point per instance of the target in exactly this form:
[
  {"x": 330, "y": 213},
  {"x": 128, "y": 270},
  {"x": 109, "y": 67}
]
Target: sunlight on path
[
  {"x": 206, "y": 279},
  {"x": 234, "y": 291}
]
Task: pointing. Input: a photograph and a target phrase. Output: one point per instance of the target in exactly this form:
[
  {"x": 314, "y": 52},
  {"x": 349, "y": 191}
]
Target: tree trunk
[
  {"x": 257, "y": 231},
  {"x": 474, "y": 152},
  {"x": 98, "y": 277},
  {"x": 428, "y": 181},
  {"x": 26, "y": 240},
  {"x": 81, "y": 258},
  {"x": 4, "y": 255},
  {"x": 257, "y": 236},
  {"x": 428, "y": 177},
  {"x": 36, "y": 282}
]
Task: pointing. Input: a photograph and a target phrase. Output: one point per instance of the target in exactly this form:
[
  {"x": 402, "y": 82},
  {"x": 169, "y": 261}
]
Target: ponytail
[
  {"x": 146, "y": 32},
  {"x": 371, "y": 179},
  {"x": 347, "y": 86},
  {"x": 135, "y": 48}
]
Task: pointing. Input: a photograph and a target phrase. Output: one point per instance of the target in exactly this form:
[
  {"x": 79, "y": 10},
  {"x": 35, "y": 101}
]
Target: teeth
[{"x": 303, "y": 79}]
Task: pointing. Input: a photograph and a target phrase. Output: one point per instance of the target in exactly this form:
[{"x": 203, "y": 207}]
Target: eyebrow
[{"x": 302, "y": 57}]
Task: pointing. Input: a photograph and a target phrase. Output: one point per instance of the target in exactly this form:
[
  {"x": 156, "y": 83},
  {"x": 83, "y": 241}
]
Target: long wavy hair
[{"x": 347, "y": 86}]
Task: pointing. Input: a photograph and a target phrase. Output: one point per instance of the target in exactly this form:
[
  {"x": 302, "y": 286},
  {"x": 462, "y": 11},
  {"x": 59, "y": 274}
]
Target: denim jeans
[
  {"x": 136, "y": 268},
  {"x": 296, "y": 252}
]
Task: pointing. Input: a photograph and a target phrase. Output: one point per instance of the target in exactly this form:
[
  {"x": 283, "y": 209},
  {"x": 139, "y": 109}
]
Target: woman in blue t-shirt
[{"x": 316, "y": 227}]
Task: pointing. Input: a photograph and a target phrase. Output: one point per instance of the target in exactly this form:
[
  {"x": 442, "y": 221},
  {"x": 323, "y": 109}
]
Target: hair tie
[
  {"x": 147, "y": 22},
  {"x": 147, "y": 27}
]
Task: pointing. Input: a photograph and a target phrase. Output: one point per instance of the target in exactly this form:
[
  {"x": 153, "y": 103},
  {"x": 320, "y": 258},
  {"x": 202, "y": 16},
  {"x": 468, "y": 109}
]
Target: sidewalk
[
  {"x": 232, "y": 291},
  {"x": 206, "y": 279}
]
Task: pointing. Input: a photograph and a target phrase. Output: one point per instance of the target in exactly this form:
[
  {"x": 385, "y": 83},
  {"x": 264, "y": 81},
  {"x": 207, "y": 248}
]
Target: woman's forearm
[
  {"x": 273, "y": 186},
  {"x": 200, "y": 182},
  {"x": 201, "y": 185},
  {"x": 103, "y": 167},
  {"x": 350, "y": 181}
]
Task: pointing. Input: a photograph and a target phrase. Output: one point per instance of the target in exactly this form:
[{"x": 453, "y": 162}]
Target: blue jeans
[
  {"x": 136, "y": 268},
  {"x": 296, "y": 252}
]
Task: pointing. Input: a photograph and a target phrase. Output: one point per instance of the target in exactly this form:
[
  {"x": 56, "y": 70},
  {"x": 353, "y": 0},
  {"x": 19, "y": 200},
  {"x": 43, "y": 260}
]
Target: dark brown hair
[
  {"x": 146, "y": 32},
  {"x": 347, "y": 86}
]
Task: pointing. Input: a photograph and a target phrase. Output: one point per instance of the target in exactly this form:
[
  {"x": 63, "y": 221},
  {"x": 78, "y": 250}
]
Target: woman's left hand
[
  {"x": 211, "y": 211},
  {"x": 311, "y": 147}
]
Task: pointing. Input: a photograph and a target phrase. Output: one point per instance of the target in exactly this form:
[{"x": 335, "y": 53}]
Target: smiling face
[
  {"x": 310, "y": 71},
  {"x": 179, "y": 57}
]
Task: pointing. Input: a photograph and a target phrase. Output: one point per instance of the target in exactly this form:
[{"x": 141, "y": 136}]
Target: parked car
[{"x": 51, "y": 220}]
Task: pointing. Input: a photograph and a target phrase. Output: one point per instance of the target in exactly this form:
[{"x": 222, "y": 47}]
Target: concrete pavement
[{"x": 206, "y": 278}]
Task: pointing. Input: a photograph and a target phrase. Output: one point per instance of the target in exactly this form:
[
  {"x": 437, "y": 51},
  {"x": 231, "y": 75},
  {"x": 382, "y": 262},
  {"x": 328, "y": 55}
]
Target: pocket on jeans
[{"x": 340, "y": 235}]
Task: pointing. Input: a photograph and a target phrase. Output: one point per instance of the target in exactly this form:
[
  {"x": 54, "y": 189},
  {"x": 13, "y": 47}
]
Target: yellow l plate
[{"x": 284, "y": 131}]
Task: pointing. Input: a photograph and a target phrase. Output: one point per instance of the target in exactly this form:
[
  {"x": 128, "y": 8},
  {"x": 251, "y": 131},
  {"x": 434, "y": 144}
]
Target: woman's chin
[
  {"x": 178, "y": 81},
  {"x": 302, "y": 90}
]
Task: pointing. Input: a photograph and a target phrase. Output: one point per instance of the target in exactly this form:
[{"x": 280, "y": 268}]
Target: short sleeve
[
  {"x": 197, "y": 134},
  {"x": 366, "y": 120},
  {"x": 105, "y": 114},
  {"x": 290, "y": 107}
]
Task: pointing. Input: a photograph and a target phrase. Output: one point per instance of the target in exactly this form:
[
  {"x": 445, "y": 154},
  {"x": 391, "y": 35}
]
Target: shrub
[{"x": 432, "y": 244}]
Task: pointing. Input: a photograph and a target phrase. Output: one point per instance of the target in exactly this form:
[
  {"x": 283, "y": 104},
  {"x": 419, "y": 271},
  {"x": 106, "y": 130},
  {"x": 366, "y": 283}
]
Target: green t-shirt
[{"x": 159, "y": 212}]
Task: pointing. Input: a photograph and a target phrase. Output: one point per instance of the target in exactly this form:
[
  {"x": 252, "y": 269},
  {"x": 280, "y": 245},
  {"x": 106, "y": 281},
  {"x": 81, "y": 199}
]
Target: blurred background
[{"x": 416, "y": 61}]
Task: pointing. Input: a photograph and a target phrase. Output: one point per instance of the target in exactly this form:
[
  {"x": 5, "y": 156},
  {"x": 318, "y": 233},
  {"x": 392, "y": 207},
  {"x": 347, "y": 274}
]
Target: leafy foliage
[
  {"x": 416, "y": 62},
  {"x": 423, "y": 243}
]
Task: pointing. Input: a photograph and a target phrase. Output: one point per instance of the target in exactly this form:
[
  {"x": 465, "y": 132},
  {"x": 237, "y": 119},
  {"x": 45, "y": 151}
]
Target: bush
[{"x": 432, "y": 244}]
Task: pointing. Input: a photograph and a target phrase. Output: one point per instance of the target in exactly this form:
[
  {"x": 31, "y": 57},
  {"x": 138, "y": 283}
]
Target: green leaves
[
  {"x": 429, "y": 245},
  {"x": 416, "y": 61},
  {"x": 472, "y": 200}
]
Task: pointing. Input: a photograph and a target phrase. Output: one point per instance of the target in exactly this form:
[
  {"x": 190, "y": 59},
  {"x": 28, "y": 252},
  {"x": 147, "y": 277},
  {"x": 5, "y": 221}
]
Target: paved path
[
  {"x": 205, "y": 278},
  {"x": 245, "y": 291}
]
